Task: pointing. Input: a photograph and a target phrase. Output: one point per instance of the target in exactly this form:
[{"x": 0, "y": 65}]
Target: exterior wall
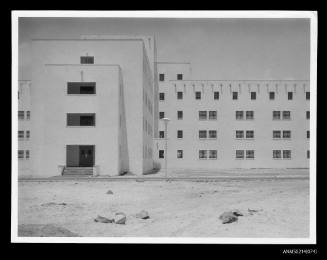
[{"x": 226, "y": 124}]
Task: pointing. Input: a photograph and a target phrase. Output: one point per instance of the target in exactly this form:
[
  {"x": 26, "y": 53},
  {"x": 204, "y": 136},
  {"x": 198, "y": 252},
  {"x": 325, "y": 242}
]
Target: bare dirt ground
[{"x": 176, "y": 209}]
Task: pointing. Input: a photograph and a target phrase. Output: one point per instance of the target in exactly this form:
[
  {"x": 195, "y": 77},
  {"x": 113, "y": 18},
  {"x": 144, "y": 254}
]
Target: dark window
[
  {"x": 202, "y": 154},
  {"x": 179, "y": 154},
  {"x": 27, "y": 134},
  {"x": 20, "y": 134},
  {"x": 250, "y": 134},
  {"x": 179, "y": 133},
  {"x": 308, "y": 154},
  {"x": 249, "y": 115},
  {"x": 87, "y": 60},
  {"x": 276, "y": 115},
  {"x": 308, "y": 114},
  {"x": 253, "y": 95},
  {"x": 308, "y": 134},
  {"x": 286, "y": 134},
  {"x": 287, "y": 154},
  {"x": 307, "y": 95},
  {"x": 161, "y": 77},
  {"x": 249, "y": 154},
  {"x": 20, "y": 154},
  {"x": 277, "y": 154},
  {"x": 21, "y": 114},
  {"x": 161, "y": 154},
  {"x": 277, "y": 134},
  {"x": 239, "y": 115},
  {"x": 212, "y": 154},
  {"x": 27, "y": 154},
  {"x": 179, "y": 95},
  {"x": 239, "y": 134},
  {"x": 179, "y": 76},
  {"x": 216, "y": 95},
  {"x": 161, "y": 96},
  {"x": 271, "y": 95},
  {"x": 239, "y": 154},
  {"x": 202, "y": 134},
  {"x": 81, "y": 88},
  {"x": 212, "y": 115},
  {"x": 179, "y": 115},
  {"x": 286, "y": 115},
  {"x": 202, "y": 115},
  {"x": 289, "y": 95},
  {"x": 161, "y": 134},
  {"x": 28, "y": 115},
  {"x": 235, "y": 95},
  {"x": 197, "y": 95},
  {"x": 161, "y": 115},
  {"x": 213, "y": 134},
  {"x": 74, "y": 119}
]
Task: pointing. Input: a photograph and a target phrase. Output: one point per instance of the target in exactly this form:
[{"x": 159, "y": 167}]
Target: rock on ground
[
  {"x": 143, "y": 214},
  {"x": 228, "y": 217},
  {"x": 49, "y": 230},
  {"x": 103, "y": 219},
  {"x": 120, "y": 218},
  {"x": 110, "y": 192}
]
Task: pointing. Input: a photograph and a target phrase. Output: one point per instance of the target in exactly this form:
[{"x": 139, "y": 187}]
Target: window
[
  {"x": 253, "y": 95},
  {"x": 235, "y": 95},
  {"x": 216, "y": 95},
  {"x": 161, "y": 77},
  {"x": 198, "y": 95},
  {"x": 179, "y": 95},
  {"x": 308, "y": 114},
  {"x": 308, "y": 134},
  {"x": 21, "y": 115},
  {"x": 20, "y": 134},
  {"x": 308, "y": 154},
  {"x": 239, "y": 115},
  {"x": 202, "y": 134},
  {"x": 161, "y": 134},
  {"x": 249, "y": 154},
  {"x": 289, "y": 95},
  {"x": 28, "y": 115},
  {"x": 249, "y": 115},
  {"x": 272, "y": 95},
  {"x": 27, "y": 134},
  {"x": 161, "y": 154},
  {"x": 161, "y": 96},
  {"x": 202, "y": 154},
  {"x": 179, "y": 115},
  {"x": 75, "y": 119},
  {"x": 286, "y": 134},
  {"x": 276, "y": 134},
  {"x": 212, "y": 115},
  {"x": 27, "y": 154},
  {"x": 250, "y": 134},
  {"x": 277, "y": 154},
  {"x": 202, "y": 115},
  {"x": 20, "y": 154},
  {"x": 239, "y": 134},
  {"x": 161, "y": 115},
  {"x": 286, "y": 115},
  {"x": 286, "y": 154},
  {"x": 276, "y": 115},
  {"x": 213, "y": 134},
  {"x": 179, "y": 154},
  {"x": 179, "y": 133},
  {"x": 179, "y": 76},
  {"x": 239, "y": 154},
  {"x": 212, "y": 154},
  {"x": 307, "y": 95},
  {"x": 81, "y": 88},
  {"x": 87, "y": 60}
]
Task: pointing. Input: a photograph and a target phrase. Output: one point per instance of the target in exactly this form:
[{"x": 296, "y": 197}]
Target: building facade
[{"x": 93, "y": 106}]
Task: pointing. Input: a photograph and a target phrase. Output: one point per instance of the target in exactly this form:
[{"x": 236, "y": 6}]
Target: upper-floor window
[
  {"x": 21, "y": 115},
  {"x": 277, "y": 134},
  {"x": 202, "y": 115},
  {"x": 287, "y": 134},
  {"x": 253, "y": 95},
  {"x": 308, "y": 134},
  {"x": 212, "y": 154},
  {"x": 81, "y": 88},
  {"x": 287, "y": 154},
  {"x": 276, "y": 115},
  {"x": 203, "y": 154},
  {"x": 179, "y": 133},
  {"x": 307, "y": 95},
  {"x": 289, "y": 95},
  {"x": 249, "y": 115},
  {"x": 239, "y": 154},
  {"x": 308, "y": 114},
  {"x": 161, "y": 134},
  {"x": 198, "y": 95},
  {"x": 250, "y": 134},
  {"x": 239, "y": 134},
  {"x": 239, "y": 115},
  {"x": 161, "y": 77},
  {"x": 271, "y": 95},
  {"x": 179, "y": 95},
  {"x": 20, "y": 134},
  {"x": 27, "y": 134},
  {"x": 27, "y": 154},
  {"x": 161, "y": 115},
  {"x": 277, "y": 154},
  {"x": 76, "y": 119},
  {"x": 235, "y": 95},
  {"x": 212, "y": 115},
  {"x": 202, "y": 134},
  {"x": 249, "y": 154},
  {"x": 286, "y": 115},
  {"x": 20, "y": 154},
  {"x": 161, "y": 154},
  {"x": 87, "y": 60},
  {"x": 216, "y": 95},
  {"x": 179, "y": 76},
  {"x": 179, "y": 115},
  {"x": 179, "y": 154},
  {"x": 213, "y": 134},
  {"x": 161, "y": 96},
  {"x": 308, "y": 154},
  {"x": 28, "y": 115}
]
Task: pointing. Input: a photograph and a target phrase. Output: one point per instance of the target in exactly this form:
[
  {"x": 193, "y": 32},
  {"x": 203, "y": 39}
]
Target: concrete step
[{"x": 78, "y": 171}]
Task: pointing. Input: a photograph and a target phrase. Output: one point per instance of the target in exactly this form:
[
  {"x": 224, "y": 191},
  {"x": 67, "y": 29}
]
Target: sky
[{"x": 217, "y": 48}]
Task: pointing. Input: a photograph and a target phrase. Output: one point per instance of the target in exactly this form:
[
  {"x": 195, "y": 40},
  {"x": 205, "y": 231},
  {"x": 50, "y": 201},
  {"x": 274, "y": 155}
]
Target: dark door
[{"x": 86, "y": 155}]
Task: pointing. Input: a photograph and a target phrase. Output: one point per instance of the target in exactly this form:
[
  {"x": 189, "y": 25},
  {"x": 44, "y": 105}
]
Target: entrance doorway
[{"x": 80, "y": 155}]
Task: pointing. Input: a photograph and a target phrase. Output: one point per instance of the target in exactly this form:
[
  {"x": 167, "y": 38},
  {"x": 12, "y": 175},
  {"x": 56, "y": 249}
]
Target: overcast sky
[{"x": 217, "y": 48}]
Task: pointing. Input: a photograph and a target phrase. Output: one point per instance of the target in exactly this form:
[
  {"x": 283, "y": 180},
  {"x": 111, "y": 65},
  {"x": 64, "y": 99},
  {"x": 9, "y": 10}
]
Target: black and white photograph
[{"x": 164, "y": 127}]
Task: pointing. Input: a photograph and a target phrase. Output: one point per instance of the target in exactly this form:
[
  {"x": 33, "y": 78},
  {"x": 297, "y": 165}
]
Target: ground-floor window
[
  {"x": 179, "y": 154},
  {"x": 249, "y": 154},
  {"x": 27, "y": 154},
  {"x": 202, "y": 154},
  {"x": 277, "y": 154},
  {"x": 212, "y": 154},
  {"x": 239, "y": 154},
  {"x": 287, "y": 154},
  {"x": 308, "y": 154},
  {"x": 161, "y": 154}
]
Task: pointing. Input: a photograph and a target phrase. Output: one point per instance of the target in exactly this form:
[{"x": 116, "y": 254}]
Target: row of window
[
  {"x": 162, "y": 77},
  {"x": 23, "y": 134},
  {"x": 23, "y": 154},
  {"x": 240, "y": 115},
  {"x": 253, "y": 95},
  {"x": 21, "y": 115},
  {"x": 240, "y": 154},
  {"x": 249, "y": 134}
]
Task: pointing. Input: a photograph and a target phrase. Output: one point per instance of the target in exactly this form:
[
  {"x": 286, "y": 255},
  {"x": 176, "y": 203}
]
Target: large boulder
[
  {"x": 228, "y": 217},
  {"x": 120, "y": 218},
  {"x": 143, "y": 214}
]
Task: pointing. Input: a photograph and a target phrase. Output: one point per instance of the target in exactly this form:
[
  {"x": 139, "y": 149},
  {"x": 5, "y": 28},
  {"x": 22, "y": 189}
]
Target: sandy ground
[{"x": 176, "y": 209}]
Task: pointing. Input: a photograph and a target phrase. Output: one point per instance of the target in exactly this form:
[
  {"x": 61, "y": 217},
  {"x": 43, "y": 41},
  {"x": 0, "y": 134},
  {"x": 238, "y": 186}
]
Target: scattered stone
[
  {"x": 143, "y": 215},
  {"x": 110, "y": 192},
  {"x": 49, "y": 230},
  {"x": 103, "y": 219},
  {"x": 254, "y": 210},
  {"x": 237, "y": 213},
  {"x": 120, "y": 218},
  {"x": 53, "y": 204},
  {"x": 228, "y": 217}
]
